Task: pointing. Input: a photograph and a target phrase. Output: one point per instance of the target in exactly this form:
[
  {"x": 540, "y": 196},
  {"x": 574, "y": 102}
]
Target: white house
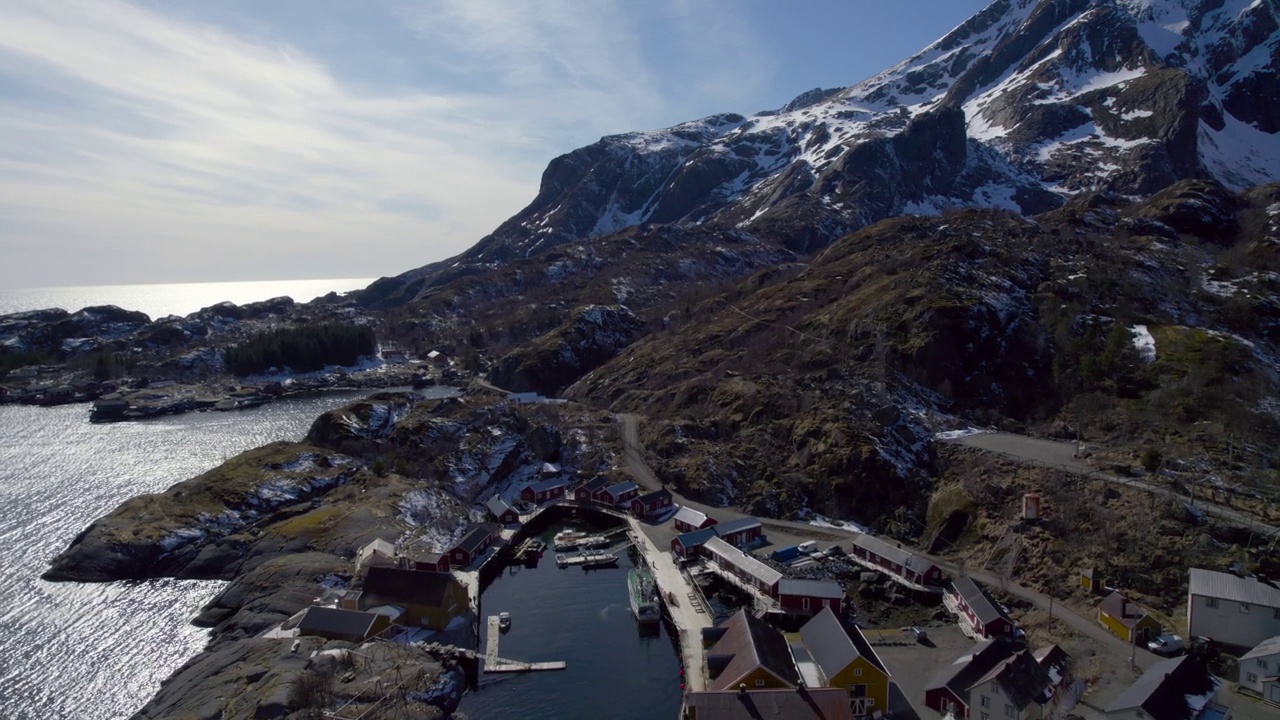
[
  {"x": 1260, "y": 670},
  {"x": 1233, "y": 610}
]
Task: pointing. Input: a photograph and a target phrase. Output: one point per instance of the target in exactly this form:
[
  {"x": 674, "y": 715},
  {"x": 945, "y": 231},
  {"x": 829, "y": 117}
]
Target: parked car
[
  {"x": 918, "y": 633},
  {"x": 1166, "y": 645}
]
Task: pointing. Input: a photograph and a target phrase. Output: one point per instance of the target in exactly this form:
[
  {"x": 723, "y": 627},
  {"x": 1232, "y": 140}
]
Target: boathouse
[
  {"x": 894, "y": 560},
  {"x": 809, "y": 597},
  {"x": 741, "y": 532},
  {"x": 502, "y": 511},
  {"x": 687, "y": 520},
  {"x": 472, "y": 545},
  {"x": 353, "y": 626},
  {"x": 544, "y": 491},
  {"x": 617, "y": 495},
  {"x": 429, "y": 599},
  {"x": 987, "y": 618},
  {"x": 586, "y": 492},
  {"x": 745, "y": 567},
  {"x": 651, "y": 504},
  {"x": 743, "y": 653},
  {"x": 689, "y": 545}
]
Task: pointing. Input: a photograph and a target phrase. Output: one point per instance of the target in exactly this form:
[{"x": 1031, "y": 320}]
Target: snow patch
[
  {"x": 957, "y": 434},
  {"x": 1144, "y": 343}
]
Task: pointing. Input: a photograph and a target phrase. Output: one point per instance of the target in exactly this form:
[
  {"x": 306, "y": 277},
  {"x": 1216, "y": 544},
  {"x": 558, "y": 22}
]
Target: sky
[{"x": 190, "y": 141}]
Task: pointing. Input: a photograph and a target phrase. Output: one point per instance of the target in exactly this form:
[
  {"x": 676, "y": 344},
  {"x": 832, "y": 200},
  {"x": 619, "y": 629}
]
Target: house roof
[
  {"x": 834, "y": 643},
  {"x": 622, "y": 487},
  {"x": 1230, "y": 587},
  {"x": 982, "y": 604},
  {"x": 1270, "y": 646},
  {"x": 335, "y": 621},
  {"x": 376, "y": 547},
  {"x": 811, "y": 588},
  {"x": 546, "y": 485},
  {"x": 1023, "y": 679},
  {"x": 748, "y": 643},
  {"x": 595, "y": 483},
  {"x": 654, "y": 497},
  {"x": 687, "y": 514},
  {"x": 1168, "y": 689},
  {"x": 476, "y": 538},
  {"x": 696, "y": 538},
  {"x": 396, "y": 586},
  {"x": 892, "y": 552},
  {"x": 968, "y": 669},
  {"x": 800, "y": 704},
  {"x": 733, "y": 526},
  {"x": 744, "y": 562},
  {"x": 497, "y": 505},
  {"x": 1126, "y": 611}
]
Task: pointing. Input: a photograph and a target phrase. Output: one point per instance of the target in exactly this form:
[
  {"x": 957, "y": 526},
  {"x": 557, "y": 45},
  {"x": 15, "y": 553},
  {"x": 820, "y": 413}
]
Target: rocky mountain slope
[{"x": 1022, "y": 107}]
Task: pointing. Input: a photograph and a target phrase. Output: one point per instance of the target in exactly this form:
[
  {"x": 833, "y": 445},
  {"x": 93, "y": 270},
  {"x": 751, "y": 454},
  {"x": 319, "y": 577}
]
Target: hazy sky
[{"x": 193, "y": 140}]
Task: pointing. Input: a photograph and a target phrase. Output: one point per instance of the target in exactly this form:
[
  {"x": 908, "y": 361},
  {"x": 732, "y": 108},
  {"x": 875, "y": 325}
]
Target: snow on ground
[
  {"x": 1144, "y": 343},
  {"x": 957, "y": 434},
  {"x": 1240, "y": 155},
  {"x": 818, "y": 520}
]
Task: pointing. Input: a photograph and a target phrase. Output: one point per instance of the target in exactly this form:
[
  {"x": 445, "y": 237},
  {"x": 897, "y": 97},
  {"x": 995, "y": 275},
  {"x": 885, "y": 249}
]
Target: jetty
[
  {"x": 493, "y": 663},
  {"x": 684, "y": 605}
]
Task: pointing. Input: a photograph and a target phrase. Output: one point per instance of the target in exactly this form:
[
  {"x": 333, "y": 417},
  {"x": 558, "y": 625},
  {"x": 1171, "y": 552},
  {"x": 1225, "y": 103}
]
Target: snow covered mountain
[{"x": 1024, "y": 105}]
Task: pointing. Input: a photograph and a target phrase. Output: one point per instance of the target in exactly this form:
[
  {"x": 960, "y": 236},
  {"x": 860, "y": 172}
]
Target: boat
[
  {"x": 504, "y": 621},
  {"x": 643, "y": 594},
  {"x": 599, "y": 560}
]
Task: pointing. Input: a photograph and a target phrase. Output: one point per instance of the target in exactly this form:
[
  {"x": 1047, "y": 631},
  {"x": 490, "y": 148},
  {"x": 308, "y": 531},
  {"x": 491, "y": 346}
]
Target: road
[{"x": 1061, "y": 455}]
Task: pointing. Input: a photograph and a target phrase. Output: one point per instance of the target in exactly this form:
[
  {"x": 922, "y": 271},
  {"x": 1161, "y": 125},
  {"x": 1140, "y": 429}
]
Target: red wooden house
[
  {"x": 544, "y": 491},
  {"x": 687, "y": 520},
  {"x": 618, "y": 495},
  {"x": 808, "y": 597},
  {"x": 983, "y": 613},
  {"x": 741, "y": 532},
  {"x": 472, "y": 545},
  {"x": 587, "y": 491},
  {"x": 689, "y": 545},
  {"x": 892, "y": 559},
  {"x": 651, "y": 504},
  {"x": 502, "y": 511}
]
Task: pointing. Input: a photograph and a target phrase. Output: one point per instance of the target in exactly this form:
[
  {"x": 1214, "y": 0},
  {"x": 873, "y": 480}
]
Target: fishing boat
[
  {"x": 504, "y": 621},
  {"x": 591, "y": 561},
  {"x": 643, "y": 593}
]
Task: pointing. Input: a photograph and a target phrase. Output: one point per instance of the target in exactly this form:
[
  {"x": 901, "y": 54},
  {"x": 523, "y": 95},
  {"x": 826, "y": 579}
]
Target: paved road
[{"x": 1057, "y": 454}]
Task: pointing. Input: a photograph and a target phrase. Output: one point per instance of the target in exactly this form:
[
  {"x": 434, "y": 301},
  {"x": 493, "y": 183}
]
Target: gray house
[{"x": 1233, "y": 610}]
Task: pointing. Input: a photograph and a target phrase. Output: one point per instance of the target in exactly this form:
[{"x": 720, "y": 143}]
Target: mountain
[{"x": 1023, "y": 106}]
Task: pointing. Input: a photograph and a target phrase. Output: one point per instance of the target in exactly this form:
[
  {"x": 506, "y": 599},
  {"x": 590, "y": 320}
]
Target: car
[
  {"x": 919, "y": 633},
  {"x": 1166, "y": 645}
]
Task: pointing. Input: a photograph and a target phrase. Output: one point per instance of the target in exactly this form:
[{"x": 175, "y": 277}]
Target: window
[
  {"x": 1010, "y": 712},
  {"x": 760, "y": 683},
  {"x": 857, "y": 672},
  {"x": 1276, "y": 614},
  {"x": 1263, "y": 664},
  {"x": 986, "y": 701},
  {"x": 995, "y": 689},
  {"x": 1211, "y": 602},
  {"x": 1250, "y": 677},
  {"x": 805, "y": 603},
  {"x": 1244, "y": 607},
  {"x": 986, "y": 716}
]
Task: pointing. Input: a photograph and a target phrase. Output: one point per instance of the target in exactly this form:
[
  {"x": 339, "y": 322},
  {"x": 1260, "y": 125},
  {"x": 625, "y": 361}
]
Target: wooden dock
[{"x": 495, "y": 664}]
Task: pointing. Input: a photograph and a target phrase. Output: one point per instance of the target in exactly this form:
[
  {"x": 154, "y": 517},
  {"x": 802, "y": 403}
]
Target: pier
[
  {"x": 683, "y": 603},
  {"x": 495, "y": 664}
]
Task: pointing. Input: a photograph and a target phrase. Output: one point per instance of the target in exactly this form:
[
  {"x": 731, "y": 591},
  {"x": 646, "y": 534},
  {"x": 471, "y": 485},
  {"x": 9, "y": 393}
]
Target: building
[
  {"x": 502, "y": 511},
  {"x": 352, "y": 626},
  {"x": 1126, "y": 619},
  {"x": 617, "y": 494},
  {"x": 741, "y": 532},
  {"x": 743, "y": 653},
  {"x": 1237, "y": 611},
  {"x": 586, "y": 491},
  {"x": 809, "y": 597},
  {"x": 430, "y": 599},
  {"x": 799, "y": 704},
  {"x": 1175, "y": 689},
  {"x": 689, "y": 545},
  {"x": 746, "y": 568},
  {"x": 687, "y": 520},
  {"x": 1000, "y": 678},
  {"x": 545, "y": 490},
  {"x": 472, "y": 545},
  {"x": 1260, "y": 670},
  {"x": 845, "y": 660},
  {"x": 892, "y": 559},
  {"x": 375, "y": 553},
  {"x": 651, "y": 504},
  {"x": 435, "y": 357},
  {"x": 987, "y": 618},
  {"x": 422, "y": 555}
]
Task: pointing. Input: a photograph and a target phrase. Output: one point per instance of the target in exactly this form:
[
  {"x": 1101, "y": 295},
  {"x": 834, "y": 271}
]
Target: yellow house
[
  {"x": 429, "y": 599},
  {"x": 1127, "y": 620},
  {"x": 846, "y": 660},
  {"x": 743, "y": 653}
]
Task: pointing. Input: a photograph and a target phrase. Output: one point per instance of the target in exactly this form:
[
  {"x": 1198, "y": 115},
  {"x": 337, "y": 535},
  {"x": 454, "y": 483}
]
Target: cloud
[{"x": 140, "y": 145}]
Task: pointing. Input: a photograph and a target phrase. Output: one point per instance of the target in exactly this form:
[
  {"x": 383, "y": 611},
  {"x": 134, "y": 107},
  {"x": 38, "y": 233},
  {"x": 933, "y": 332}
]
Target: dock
[
  {"x": 683, "y": 604},
  {"x": 495, "y": 664}
]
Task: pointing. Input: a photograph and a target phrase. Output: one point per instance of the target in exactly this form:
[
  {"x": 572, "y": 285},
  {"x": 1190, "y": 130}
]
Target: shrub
[{"x": 301, "y": 349}]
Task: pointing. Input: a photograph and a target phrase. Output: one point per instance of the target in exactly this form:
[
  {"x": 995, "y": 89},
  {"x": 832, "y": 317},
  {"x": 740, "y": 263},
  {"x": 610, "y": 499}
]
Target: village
[{"x": 806, "y": 633}]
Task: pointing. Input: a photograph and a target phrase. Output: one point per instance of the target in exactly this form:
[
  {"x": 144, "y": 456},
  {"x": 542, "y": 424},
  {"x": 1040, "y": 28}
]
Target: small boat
[
  {"x": 643, "y": 594},
  {"x": 599, "y": 560},
  {"x": 504, "y": 621}
]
